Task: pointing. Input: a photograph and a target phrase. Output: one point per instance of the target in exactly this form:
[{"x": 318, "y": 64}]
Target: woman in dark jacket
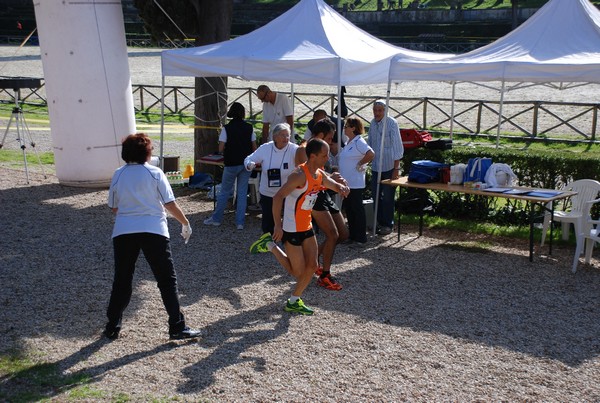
[{"x": 236, "y": 142}]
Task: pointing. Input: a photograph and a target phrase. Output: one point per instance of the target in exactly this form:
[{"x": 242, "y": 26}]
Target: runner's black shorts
[
  {"x": 324, "y": 202},
  {"x": 296, "y": 238}
]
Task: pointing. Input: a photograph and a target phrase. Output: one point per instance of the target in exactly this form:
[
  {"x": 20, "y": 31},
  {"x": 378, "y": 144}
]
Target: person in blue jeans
[
  {"x": 386, "y": 162},
  {"x": 236, "y": 142}
]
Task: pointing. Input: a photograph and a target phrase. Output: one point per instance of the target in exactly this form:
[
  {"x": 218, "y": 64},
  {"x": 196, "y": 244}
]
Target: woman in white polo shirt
[
  {"x": 140, "y": 196},
  {"x": 353, "y": 161}
]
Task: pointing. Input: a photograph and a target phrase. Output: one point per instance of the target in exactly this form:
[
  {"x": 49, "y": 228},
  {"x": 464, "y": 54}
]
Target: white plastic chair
[
  {"x": 589, "y": 235},
  {"x": 587, "y": 189}
]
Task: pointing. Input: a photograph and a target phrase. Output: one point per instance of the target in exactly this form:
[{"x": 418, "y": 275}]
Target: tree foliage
[
  {"x": 206, "y": 21},
  {"x": 160, "y": 21}
]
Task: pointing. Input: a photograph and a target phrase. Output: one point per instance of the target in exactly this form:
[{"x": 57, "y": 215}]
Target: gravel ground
[{"x": 443, "y": 317}]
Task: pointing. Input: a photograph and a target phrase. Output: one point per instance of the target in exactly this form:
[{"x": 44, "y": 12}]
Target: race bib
[{"x": 309, "y": 201}]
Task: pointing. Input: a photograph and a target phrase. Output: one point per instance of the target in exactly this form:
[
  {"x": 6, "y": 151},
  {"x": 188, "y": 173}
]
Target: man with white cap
[{"x": 386, "y": 161}]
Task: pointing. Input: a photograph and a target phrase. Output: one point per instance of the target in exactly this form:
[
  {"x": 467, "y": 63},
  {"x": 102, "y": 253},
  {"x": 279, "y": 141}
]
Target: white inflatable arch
[{"x": 88, "y": 87}]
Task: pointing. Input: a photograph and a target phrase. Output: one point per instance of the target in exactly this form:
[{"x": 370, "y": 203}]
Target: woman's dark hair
[
  {"x": 356, "y": 124},
  {"x": 136, "y": 148},
  {"x": 236, "y": 111}
]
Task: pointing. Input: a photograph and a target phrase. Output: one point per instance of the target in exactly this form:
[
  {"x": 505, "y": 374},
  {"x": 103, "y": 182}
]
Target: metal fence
[{"x": 530, "y": 120}]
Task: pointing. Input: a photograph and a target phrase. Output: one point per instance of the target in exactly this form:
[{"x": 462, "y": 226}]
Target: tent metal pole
[
  {"x": 339, "y": 128},
  {"x": 338, "y": 198},
  {"x": 293, "y": 133},
  {"x": 452, "y": 110},
  {"x": 500, "y": 114},
  {"x": 162, "y": 123}
]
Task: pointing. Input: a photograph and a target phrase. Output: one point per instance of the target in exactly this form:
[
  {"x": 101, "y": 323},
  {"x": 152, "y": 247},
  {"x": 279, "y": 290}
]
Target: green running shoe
[
  {"x": 298, "y": 307},
  {"x": 260, "y": 246}
]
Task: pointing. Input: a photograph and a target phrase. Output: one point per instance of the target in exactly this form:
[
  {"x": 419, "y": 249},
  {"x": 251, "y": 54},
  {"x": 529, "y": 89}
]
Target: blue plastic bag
[
  {"x": 200, "y": 180},
  {"x": 476, "y": 169},
  {"x": 425, "y": 171}
]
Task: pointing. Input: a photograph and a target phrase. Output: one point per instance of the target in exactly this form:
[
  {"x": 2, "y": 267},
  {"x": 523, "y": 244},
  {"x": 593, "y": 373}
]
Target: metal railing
[
  {"x": 532, "y": 120},
  {"x": 529, "y": 120}
]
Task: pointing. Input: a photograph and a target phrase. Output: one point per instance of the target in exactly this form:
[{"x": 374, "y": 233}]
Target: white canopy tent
[
  {"x": 560, "y": 43},
  {"x": 309, "y": 44}
]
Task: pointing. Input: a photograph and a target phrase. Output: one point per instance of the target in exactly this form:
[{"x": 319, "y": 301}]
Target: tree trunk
[
  {"x": 214, "y": 25},
  {"x": 515, "y": 13}
]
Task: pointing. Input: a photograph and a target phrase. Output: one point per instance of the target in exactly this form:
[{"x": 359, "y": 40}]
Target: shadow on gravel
[
  {"x": 47, "y": 380},
  {"x": 232, "y": 337},
  {"x": 6, "y": 59},
  {"x": 56, "y": 261},
  {"x": 49, "y": 286},
  {"x": 151, "y": 53},
  {"x": 487, "y": 297},
  {"x": 61, "y": 288}
]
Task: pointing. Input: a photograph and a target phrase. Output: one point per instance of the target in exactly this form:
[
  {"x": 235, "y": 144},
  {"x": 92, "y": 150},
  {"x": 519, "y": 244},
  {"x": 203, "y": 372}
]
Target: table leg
[
  {"x": 422, "y": 197},
  {"x": 398, "y": 210},
  {"x": 551, "y": 222},
  {"x": 531, "y": 219}
]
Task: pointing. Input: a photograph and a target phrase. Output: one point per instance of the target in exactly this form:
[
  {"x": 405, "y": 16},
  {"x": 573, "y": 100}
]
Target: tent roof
[
  {"x": 309, "y": 44},
  {"x": 559, "y": 43}
]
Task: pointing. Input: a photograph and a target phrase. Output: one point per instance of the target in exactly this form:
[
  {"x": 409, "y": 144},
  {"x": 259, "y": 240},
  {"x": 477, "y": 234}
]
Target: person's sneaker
[
  {"x": 298, "y": 307},
  {"x": 319, "y": 271},
  {"x": 260, "y": 246},
  {"x": 111, "y": 334},
  {"x": 329, "y": 282},
  {"x": 210, "y": 221},
  {"x": 186, "y": 333},
  {"x": 384, "y": 230},
  {"x": 240, "y": 227}
]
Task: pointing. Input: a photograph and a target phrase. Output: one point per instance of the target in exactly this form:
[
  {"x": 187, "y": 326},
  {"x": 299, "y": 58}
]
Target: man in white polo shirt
[{"x": 277, "y": 108}]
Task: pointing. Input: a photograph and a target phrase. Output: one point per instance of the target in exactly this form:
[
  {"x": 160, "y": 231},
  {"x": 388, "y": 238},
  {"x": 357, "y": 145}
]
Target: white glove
[
  {"x": 186, "y": 232},
  {"x": 361, "y": 167},
  {"x": 250, "y": 166}
]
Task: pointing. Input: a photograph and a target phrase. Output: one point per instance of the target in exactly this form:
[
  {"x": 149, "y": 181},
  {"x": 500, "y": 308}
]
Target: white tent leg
[
  {"x": 293, "y": 133},
  {"x": 162, "y": 123},
  {"x": 452, "y": 109},
  {"x": 500, "y": 114},
  {"x": 340, "y": 132}
]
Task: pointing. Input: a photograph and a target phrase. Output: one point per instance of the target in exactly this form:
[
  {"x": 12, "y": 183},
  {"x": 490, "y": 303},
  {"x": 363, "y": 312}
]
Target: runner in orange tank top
[
  {"x": 298, "y": 204},
  {"x": 295, "y": 230}
]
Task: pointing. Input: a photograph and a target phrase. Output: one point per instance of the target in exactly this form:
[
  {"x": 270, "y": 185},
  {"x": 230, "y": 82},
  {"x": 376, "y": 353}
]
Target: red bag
[{"x": 412, "y": 138}]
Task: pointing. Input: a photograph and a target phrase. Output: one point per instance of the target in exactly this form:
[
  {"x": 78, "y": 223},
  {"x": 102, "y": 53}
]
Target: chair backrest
[
  {"x": 587, "y": 189},
  {"x": 588, "y": 223}
]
